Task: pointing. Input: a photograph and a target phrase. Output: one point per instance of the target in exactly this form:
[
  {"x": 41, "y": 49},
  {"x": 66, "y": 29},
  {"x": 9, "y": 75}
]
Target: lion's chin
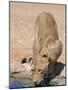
[{"x": 42, "y": 84}]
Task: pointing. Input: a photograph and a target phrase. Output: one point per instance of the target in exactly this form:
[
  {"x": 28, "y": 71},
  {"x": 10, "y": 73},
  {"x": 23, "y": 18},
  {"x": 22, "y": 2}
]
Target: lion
[{"x": 47, "y": 47}]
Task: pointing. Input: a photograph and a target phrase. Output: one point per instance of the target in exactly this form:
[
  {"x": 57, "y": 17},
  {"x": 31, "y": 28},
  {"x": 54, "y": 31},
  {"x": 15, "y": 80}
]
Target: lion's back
[{"x": 46, "y": 26}]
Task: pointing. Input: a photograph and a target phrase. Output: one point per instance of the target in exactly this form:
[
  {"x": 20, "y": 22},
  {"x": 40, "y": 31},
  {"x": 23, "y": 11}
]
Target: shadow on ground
[{"x": 56, "y": 78}]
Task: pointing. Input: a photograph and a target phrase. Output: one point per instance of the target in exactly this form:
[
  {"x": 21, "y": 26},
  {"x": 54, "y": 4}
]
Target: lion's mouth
[
  {"x": 45, "y": 81},
  {"x": 42, "y": 84}
]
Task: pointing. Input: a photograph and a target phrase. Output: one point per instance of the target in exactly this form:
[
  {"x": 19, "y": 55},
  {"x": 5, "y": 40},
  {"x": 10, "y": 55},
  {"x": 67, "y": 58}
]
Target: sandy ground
[{"x": 22, "y": 21}]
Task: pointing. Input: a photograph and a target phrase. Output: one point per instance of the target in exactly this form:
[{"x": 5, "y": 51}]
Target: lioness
[{"x": 47, "y": 47}]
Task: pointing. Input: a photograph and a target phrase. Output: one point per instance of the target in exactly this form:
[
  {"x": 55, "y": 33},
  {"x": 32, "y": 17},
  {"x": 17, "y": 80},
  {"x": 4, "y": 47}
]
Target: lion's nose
[{"x": 35, "y": 83}]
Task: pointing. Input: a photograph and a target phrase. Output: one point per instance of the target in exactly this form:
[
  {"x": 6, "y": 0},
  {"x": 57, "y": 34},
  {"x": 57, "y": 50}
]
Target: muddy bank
[{"x": 22, "y": 73}]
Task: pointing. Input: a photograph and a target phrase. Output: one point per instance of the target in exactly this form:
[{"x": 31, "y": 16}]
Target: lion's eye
[
  {"x": 44, "y": 55},
  {"x": 32, "y": 70},
  {"x": 39, "y": 70}
]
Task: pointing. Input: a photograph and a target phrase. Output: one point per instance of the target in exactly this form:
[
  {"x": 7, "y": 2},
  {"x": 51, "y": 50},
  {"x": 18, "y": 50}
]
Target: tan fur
[{"x": 47, "y": 47}]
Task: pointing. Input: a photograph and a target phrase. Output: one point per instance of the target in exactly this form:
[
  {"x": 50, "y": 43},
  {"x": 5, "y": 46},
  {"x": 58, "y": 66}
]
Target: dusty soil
[{"x": 22, "y": 20}]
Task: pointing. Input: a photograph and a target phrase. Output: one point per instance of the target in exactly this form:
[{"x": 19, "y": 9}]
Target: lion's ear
[
  {"x": 24, "y": 60},
  {"x": 30, "y": 60},
  {"x": 55, "y": 50}
]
